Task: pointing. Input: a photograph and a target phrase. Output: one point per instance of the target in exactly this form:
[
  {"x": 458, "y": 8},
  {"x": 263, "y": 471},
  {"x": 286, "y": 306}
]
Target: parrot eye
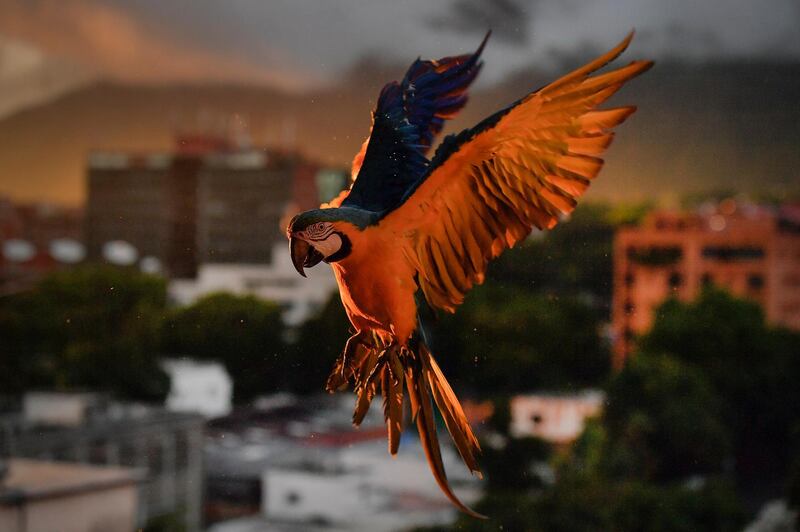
[{"x": 319, "y": 230}]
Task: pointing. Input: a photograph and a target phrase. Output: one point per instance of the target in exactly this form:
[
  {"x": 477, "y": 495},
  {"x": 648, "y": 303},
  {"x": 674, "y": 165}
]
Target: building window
[
  {"x": 182, "y": 450},
  {"x": 628, "y": 334},
  {"x": 155, "y": 457},
  {"x": 655, "y": 255},
  {"x": 629, "y": 279},
  {"x": 785, "y": 225},
  {"x": 755, "y": 281},
  {"x": 675, "y": 280},
  {"x": 629, "y": 307},
  {"x": 707, "y": 279},
  {"x": 730, "y": 253}
]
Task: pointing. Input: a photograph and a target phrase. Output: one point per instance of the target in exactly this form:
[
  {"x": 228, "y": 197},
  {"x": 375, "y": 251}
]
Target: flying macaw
[{"x": 411, "y": 235}]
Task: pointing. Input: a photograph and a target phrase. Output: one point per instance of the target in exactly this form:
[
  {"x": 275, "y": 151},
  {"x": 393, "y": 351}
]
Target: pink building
[{"x": 752, "y": 251}]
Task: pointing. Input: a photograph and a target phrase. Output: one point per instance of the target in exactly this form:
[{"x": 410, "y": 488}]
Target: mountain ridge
[{"x": 699, "y": 126}]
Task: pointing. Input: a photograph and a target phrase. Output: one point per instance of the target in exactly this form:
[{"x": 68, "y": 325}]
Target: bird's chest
[{"x": 377, "y": 293}]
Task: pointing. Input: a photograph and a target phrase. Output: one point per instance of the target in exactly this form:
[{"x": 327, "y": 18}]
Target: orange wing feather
[{"x": 525, "y": 171}]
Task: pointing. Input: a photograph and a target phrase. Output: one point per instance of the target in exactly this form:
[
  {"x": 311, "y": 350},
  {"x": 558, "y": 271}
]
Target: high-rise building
[
  {"x": 206, "y": 203},
  {"x": 129, "y": 201},
  {"x": 750, "y": 250},
  {"x": 242, "y": 199},
  {"x": 210, "y": 217}
]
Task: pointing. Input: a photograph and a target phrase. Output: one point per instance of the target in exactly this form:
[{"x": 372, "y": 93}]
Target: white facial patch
[{"x": 329, "y": 246}]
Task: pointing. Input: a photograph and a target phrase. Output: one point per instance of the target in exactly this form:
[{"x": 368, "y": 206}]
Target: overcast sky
[{"x": 48, "y": 46}]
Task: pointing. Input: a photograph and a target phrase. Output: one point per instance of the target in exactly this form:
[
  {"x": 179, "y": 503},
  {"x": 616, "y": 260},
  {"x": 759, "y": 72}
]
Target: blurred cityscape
[
  {"x": 160, "y": 342},
  {"x": 162, "y": 364}
]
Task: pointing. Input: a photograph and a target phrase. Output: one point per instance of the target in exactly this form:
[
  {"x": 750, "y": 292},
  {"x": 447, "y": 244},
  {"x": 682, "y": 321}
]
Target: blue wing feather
[
  {"x": 407, "y": 117},
  {"x": 434, "y": 91}
]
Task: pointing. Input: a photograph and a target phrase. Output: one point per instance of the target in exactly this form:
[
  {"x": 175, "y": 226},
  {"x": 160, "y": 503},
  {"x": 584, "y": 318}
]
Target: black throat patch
[{"x": 343, "y": 252}]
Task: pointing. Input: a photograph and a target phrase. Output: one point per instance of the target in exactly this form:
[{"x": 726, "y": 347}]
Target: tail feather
[
  {"x": 430, "y": 443},
  {"x": 394, "y": 369},
  {"x": 366, "y": 387},
  {"x": 392, "y": 386},
  {"x": 454, "y": 418}
]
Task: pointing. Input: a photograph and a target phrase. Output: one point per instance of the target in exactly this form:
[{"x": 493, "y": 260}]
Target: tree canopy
[
  {"x": 87, "y": 328},
  {"x": 507, "y": 340},
  {"x": 699, "y": 427},
  {"x": 752, "y": 366},
  {"x": 244, "y": 333}
]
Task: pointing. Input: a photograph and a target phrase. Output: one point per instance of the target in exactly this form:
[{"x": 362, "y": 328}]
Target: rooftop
[
  {"x": 727, "y": 214},
  {"x": 34, "y": 480}
]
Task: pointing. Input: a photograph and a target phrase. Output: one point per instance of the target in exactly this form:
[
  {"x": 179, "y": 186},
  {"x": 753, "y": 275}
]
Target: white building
[
  {"x": 359, "y": 486},
  {"x": 557, "y": 418},
  {"x": 278, "y": 281},
  {"x": 61, "y": 409},
  {"x": 166, "y": 447},
  {"x": 320, "y": 473},
  {"x": 200, "y": 387},
  {"x": 37, "y": 496}
]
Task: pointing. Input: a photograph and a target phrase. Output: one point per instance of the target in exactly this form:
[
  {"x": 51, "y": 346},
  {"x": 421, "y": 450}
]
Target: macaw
[{"x": 412, "y": 234}]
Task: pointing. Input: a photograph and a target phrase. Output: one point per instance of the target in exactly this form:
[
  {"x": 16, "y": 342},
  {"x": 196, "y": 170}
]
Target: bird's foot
[{"x": 355, "y": 350}]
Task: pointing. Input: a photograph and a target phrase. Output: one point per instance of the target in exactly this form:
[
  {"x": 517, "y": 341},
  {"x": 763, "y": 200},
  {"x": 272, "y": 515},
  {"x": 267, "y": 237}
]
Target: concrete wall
[
  {"x": 201, "y": 387},
  {"x": 554, "y": 418},
  {"x": 108, "y": 510},
  {"x": 167, "y": 446}
]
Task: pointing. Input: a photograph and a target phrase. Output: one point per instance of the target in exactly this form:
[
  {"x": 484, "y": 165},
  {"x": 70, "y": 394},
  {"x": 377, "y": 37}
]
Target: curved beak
[{"x": 303, "y": 255}]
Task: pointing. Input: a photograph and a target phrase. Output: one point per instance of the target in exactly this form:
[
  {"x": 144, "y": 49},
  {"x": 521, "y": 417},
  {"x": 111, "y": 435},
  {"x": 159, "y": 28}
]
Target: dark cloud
[
  {"x": 109, "y": 40},
  {"x": 305, "y": 43},
  {"x": 508, "y": 19},
  {"x": 676, "y": 39}
]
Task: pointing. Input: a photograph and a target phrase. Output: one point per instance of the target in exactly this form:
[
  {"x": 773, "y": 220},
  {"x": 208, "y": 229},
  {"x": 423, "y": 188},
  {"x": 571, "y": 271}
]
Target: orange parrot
[{"x": 411, "y": 235}]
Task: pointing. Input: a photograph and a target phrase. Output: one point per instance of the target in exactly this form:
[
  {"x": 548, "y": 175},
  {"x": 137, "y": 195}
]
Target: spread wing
[
  {"x": 523, "y": 167},
  {"x": 406, "y": 118}
]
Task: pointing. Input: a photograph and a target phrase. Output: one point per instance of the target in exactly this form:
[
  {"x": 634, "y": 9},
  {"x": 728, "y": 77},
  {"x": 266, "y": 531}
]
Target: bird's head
[{"x": 322, "y": 234}]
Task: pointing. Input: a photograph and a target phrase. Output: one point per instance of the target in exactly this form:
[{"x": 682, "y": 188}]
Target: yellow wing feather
[{"x": 525, "y": 171}]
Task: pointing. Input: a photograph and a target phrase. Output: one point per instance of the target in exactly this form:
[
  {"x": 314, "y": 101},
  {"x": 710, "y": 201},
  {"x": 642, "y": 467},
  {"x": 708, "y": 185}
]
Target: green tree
[
  {"x": 505, "y": 340},
  {"x": 319, "y": 342},
  {"x": 586, "y": 456},
  {"x": 573, "y": 259},
  {"x": 753, "y": 367},
  {"x": 245, "y": 333},
  {"x": 793, "y": 481},
  {"x": 659, "y": 458},
  {"x": 711, "y": 506},
  {"x": 663, "y": 422},
  {"x": 93, "y": 327},
  {"x": 511, "y": 467},
  {"x": 500, "y": 422}
]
